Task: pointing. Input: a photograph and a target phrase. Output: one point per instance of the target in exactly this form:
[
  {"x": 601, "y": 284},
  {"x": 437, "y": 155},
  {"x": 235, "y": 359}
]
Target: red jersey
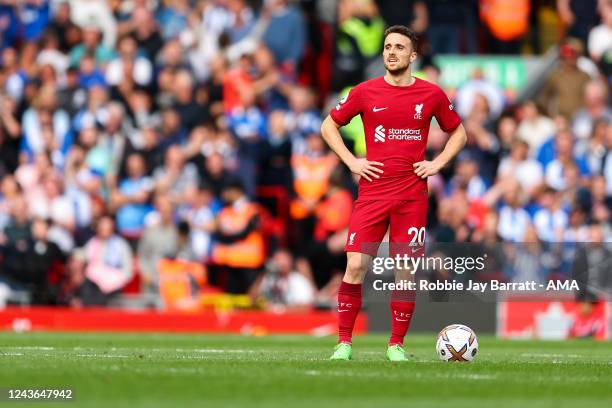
[{"x": 396, "y": 123}]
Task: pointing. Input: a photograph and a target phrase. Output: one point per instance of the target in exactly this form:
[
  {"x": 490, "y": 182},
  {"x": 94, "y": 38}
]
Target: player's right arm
[
  {"x": 349, "y": 107},
  {"x": 361, "y": 166}
]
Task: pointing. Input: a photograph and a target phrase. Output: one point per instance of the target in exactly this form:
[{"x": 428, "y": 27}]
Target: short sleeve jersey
[{"x": 396, "y": 122}]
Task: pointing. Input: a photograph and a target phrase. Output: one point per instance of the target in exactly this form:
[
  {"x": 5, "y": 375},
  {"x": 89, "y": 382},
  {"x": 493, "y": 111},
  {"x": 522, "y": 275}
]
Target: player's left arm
[
  {"x": 450, "y": 122},
  {"x": 455, "y": 143}
]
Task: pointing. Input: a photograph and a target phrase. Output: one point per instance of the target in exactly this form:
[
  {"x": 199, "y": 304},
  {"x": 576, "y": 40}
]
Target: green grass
[{"x": 136, "y": 370}]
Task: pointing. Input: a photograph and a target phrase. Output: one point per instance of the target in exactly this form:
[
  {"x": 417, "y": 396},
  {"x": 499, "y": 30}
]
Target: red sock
[
  {"x": 349, "y": 304},
  {"x": 401, "y": 315}
]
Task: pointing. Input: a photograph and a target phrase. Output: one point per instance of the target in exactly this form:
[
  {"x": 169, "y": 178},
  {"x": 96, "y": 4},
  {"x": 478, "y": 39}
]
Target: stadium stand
[{"x": 166, "y": 153}]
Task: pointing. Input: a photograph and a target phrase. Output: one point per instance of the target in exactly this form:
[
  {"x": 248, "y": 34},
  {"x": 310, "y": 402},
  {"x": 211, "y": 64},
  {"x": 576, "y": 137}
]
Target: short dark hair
[{"x": 405, "y": 31}]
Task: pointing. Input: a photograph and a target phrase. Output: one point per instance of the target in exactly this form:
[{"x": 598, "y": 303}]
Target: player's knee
[{"x": 355, "y": 270}]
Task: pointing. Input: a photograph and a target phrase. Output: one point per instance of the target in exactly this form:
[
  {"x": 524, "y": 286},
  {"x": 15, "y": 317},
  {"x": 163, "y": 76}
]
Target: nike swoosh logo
[
  {"x": 415, "y": 250},
  {"x": 401, "y": 320},
  {"x": 345, "y": 310},
  {"x": 375, "y": 109}
]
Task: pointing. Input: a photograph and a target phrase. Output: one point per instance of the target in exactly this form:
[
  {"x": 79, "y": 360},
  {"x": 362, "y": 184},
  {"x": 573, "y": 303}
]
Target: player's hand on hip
[
  {"x": 366, "y": 169},
  {"x": 426, "y": 168}
]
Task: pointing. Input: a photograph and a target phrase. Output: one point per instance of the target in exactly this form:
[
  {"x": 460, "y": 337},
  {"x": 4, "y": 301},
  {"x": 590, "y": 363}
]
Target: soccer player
[{"x": 396, "y": 111}]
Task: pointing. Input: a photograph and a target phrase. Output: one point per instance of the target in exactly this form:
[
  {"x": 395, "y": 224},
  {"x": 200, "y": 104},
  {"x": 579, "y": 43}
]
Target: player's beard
[{"x": 398, "y": 70}]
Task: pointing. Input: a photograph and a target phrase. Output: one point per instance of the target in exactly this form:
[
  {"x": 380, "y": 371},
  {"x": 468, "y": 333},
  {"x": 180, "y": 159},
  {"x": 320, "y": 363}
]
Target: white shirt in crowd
[
  {"x": 513, "y": 223},
  {"x": 550, "y": 224},
  {"x": 536, "y": 132},
  {"x": 528, "y": 173},
  {"x": 600, "y": 40}
]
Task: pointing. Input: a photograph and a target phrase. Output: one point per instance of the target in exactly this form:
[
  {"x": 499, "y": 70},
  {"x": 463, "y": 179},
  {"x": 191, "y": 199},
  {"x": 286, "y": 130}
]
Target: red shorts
[{"x": 406, "y": 220}]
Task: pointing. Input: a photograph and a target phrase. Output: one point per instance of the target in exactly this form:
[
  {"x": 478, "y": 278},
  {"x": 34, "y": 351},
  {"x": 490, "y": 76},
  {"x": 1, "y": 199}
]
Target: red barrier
[
  {"x": 117, "y": 320},
  {"x": 552, "y": 320}
]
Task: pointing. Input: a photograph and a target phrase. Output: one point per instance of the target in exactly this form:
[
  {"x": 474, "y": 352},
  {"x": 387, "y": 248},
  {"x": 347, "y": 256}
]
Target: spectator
[
  {"x": 85, "y": 12},
  {"x": 467, "y": 177},
  {"x": 558, "y": 94},
  {"x": 518, "y": 165},
  {"x": 281, "y": 286},
  {"x": 131, "y": 197},
  {"x": 128, "y": 64},
  {"x": 92, "y": 45},
  {"x": 9, "y": 31},
  {"x": 176, "y": 176},
  {"x": 591, "y": 268},
  {"x": 479, "y": 85},
  {"x": 172, "y": 18},
  {"x": 271, "y": 84},
  {"x": 600, "y": 37},
  {"x": 10, "y": 136},
  {"x": 303, "y": 118},
  {"x": 190, "y": 112},
  {"x": 49, "y": 201},
  {"x": 358, "y": 42},
  {"x": 285, "y": 34},
  {"x": 579, "y": 16},
  {"x": 67, "y": 33},
  {"x": 51, "y": 55},
  {"x": 556, "y": 170},
  {"x": 413, "y": 13},
  {"x": 513, "y": 219},
  {"x": 248, "y": 124},
  {"x": 606, "y": 168},
  {"x": 71, "y": 97},
  {"x": 172, "y": 131},
  {"x": 276, "y": 158},
  {"x": 324, "y": 249},
  {"x": 109, "y": 259},
  {"x": 198, "y": 213},
  {"x": 595, "y": 108},
  {"x": 10, "y": 192},
  {"x": 594, "y": 147},
  {"x": 535, "y": 128},
  {"x": 311, "y": 172},
  {"x": 528, "y": 262},
  {"x": 142, "y": 24},
  {"x": 215, "y": 174},
  {"x": 29, "y": 261},
  {"x": 94, "y": 111},
  {"x": 550, "y": 221},
  {"x": 35, "y": 15},
  {"x": 15, "y": 77},
  {"x": 449, "y": 21},
  {"x": 75, "y": 289},
  {"x": 239, "y": 247},
  {"x": 158, "y": 241},
  {"x": 45, "y": 127}
]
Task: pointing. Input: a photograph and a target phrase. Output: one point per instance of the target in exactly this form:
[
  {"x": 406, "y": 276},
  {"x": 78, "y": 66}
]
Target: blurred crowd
[{"x": 145, "y": 139}]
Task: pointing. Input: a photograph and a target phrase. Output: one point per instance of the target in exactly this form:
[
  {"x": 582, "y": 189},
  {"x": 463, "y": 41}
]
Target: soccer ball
[{"x": 457, "y": 343}]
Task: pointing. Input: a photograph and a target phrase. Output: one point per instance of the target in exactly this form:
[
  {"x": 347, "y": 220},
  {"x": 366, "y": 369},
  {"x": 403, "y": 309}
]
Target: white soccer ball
[{"x": 457, "y": 343}]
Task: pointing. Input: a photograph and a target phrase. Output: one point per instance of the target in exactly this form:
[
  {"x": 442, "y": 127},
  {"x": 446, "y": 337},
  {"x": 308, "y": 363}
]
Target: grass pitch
[{"x": 137, "y": 370}]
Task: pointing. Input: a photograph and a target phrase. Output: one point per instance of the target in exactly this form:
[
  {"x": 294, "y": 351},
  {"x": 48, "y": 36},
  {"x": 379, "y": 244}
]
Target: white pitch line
[
  {"x": 215, "y": 351},
  {"x": 551, "y": 355},
  {"x": 101, "y": 356},
  {"x": 418, "y": 375}
]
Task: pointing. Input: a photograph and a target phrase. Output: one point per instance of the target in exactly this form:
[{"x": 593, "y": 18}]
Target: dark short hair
[{"x": 406, "y": 32}]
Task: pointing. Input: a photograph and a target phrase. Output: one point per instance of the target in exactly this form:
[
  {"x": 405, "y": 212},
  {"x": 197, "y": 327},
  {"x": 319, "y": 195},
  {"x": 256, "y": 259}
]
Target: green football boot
[
  {"x": 395, "y": 352},
  {"x": 342, "y": 351}
]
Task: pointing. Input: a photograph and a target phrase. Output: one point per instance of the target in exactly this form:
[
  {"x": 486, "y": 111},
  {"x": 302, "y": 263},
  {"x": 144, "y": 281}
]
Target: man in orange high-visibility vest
[{"x": 239, "y": 246}]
